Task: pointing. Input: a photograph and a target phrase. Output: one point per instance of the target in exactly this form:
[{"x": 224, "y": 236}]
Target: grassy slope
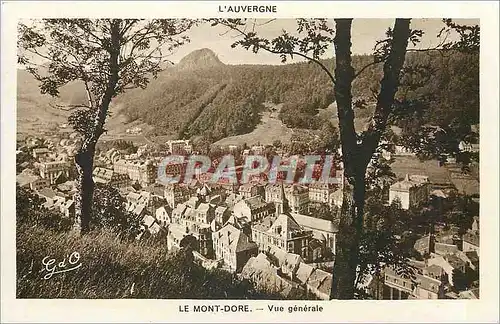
[
  {"x": 267, "y": 131},
  {"x": 109, "y": 268}
]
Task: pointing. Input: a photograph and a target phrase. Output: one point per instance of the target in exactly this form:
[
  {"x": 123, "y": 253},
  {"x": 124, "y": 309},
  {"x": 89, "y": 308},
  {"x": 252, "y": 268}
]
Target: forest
[{"x": 215, "y": 100}]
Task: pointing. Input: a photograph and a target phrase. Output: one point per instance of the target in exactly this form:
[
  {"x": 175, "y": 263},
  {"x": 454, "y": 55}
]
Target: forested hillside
[
  {"x": 203, "y": 96},
  {"x": 217, "y": 100}
]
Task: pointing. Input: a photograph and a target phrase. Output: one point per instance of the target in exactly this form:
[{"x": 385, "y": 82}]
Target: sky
[{"x": 365, "y": 32}]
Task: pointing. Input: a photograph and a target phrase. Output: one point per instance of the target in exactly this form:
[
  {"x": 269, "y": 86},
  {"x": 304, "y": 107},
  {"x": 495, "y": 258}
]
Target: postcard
[{"x": 249, "y": 161}]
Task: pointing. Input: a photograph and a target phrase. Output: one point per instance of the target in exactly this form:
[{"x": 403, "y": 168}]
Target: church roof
[
  {"x": 315, "y": 223},
  {"x": 284, "y": 225}
]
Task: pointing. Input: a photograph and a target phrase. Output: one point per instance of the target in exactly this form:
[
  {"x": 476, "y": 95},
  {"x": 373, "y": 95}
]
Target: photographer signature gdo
[{"x": 72, "y": 262}]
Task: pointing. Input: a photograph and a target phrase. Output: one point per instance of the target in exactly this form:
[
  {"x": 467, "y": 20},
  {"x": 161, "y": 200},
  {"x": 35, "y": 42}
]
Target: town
[{"x": 281, "y": 236}]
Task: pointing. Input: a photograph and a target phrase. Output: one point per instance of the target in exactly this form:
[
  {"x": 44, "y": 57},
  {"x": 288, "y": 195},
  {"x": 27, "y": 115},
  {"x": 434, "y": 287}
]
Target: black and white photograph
[{"x": 298, "y": 160}]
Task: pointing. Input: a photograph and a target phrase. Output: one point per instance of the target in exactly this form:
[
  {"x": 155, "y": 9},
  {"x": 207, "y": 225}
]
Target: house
[
  {"x": 232, "y": 199},
  {"x": 464, "y": 146},
  {"x": 151, "y": 225},
  {"x": 109, "y": 177},
  {"x": 410, "y": 192},
  {"x": 163, "y": 216},
  {"x": 139, "y": 209},
  {"x": 396, "y": 286},
  {"x": 205, "y": 213},
  {"x": 320, "y": 192},
  {"x": 178, "y": 238},
  {"x": 234, "y": 247},
  {"x": 445, "y": 249},
  {"x": 34, "y": 182},
  {"x": 241, "y": 223},
  {"x": 193, "y": 202},
  {"x": 204, "y": 193},
  {"x": 320, "y": 284},
  {"x": 303, "y": 273},
  {"x": 144, "y": 172},
  {"x": 404, "y": 151},
  {"x": 260, "y": 271},
  {"x": 425, "y": 244},
  {"x": 176, "y": 194},
  {"x": 156, "y": 191},
  {"x": 288, "y": 263},
  {"x": 40, "y": 152},
  {"x": 49, "y": 194},
  {"x": 324, "y": 230},
  {"x": 471, "y": 242},
  {"x": 68, "y": 187},
  {"x": 254, "y": 208},
  {"x": 222, "y": 215},
  {"x": 258, "y": 149},
  {"x": 297, "y": 196},
  {"x": 248, "y": 190},
  {"x": 469, "y": 294},
  {"x": 53, "y": 170},
  {"x": 68, "y": 208},
  {"x": 448, "y": 263},
  {"x": 178, "y": 213},
  {"x": 456, "y": 262},
  {"x": 317, "y": 249},
  {"x": 197, "y": 219},
  {"x": 436, "y": 272},
  {"x": 284, "y": 233},
  {"x": 205, "y": 243},
  {"x": 427, "y": 287},
  {"x": 179, "y": 147},
  {"x": 335, "y": 199}
]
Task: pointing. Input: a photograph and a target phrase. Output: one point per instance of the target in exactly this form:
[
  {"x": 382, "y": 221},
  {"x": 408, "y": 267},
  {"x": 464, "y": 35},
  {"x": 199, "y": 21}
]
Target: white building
[
  {"x": 233, "y": 247},
  {"x": 179, "y": 147},
  {"x": 411, "y": 192}
]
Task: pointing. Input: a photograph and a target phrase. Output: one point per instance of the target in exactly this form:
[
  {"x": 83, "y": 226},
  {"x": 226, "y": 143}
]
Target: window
[{"x": 430, "y": 296}]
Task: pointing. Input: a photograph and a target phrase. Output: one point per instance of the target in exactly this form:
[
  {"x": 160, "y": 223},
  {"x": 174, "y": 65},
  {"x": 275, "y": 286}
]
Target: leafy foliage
[
  {"x": 108, "y": 56},
  {"x": 322, "y": 211},
  {"x": 25, "y": 155},
  {"x": 79, "y": 49},
  {"x": 463, "y": 280},
  {"x": 109, "y": 211},
  {"x": 385, "y": 241},
  {"x": 439, "y": 103},
  {"x": 30, "y": 212},
  {"x": 126, "y": 147},
  {"x": 460, "y": 210}
]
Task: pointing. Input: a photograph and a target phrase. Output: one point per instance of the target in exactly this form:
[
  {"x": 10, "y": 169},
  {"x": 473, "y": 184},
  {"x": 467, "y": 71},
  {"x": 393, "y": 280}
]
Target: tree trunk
[
  {"x": 346, "y": 256},
  {"x": 357, "y": 154},
  {"x": 348, "y": 239},
  {"x": 84, "y": 161}
]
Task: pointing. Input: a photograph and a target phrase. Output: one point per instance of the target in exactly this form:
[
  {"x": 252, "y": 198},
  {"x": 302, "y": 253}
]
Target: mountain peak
[{"x": 201, "y": 58}]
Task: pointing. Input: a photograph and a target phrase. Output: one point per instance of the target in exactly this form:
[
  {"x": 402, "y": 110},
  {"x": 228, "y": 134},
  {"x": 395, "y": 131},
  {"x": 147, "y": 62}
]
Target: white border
[{"x": 485, "y": 309}]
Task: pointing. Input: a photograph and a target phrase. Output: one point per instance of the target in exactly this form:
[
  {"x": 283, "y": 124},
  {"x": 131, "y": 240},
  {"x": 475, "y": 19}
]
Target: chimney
[
  {"x": 432, "y": 242},
  {"x": 407, "y": 177}
]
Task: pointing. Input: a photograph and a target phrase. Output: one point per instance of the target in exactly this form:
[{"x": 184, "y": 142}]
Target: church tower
[{"x": 282, "y": 206}]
